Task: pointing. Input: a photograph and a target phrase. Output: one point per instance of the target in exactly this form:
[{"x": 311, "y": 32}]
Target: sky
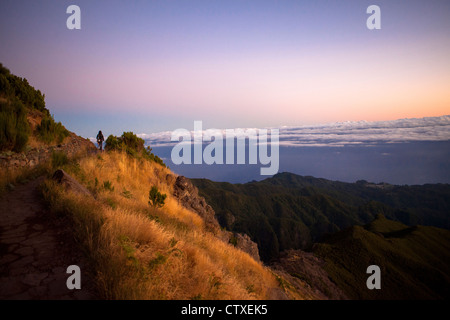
[{"x": 152, "y": 66}]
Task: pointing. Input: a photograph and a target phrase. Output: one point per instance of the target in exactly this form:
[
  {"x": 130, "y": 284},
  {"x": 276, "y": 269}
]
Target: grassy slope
[
  {"x": 413, "y": 260},
  {"x": 139, "y": 252},
  {"x": 25, "y": 122}
]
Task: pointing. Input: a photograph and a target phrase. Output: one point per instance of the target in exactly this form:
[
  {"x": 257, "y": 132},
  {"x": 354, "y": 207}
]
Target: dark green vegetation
[
  {"x": 14, "y": 128},
  {"x": 17, "y": 97},
  {"x": 155, "y": 198},
  {"x": 132, "y": 145},
  {"x": 289, "y": 211},
  {"x": 414, "y": 261},
  {"x": 59, "y": 159},
  {"x": 50, "y": 131}
]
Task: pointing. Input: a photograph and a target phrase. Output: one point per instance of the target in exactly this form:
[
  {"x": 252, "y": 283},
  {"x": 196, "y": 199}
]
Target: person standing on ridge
[{"x": 100, "y": 140}]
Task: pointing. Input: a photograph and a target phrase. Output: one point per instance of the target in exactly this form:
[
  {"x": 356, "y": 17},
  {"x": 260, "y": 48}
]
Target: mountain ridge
[
  {"x": 412, "y": 260},
  {"x": 294, "y": 211}
]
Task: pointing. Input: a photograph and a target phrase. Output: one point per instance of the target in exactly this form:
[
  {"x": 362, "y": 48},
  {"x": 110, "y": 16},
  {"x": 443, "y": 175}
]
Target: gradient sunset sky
[{"x": 149, "y": 66}]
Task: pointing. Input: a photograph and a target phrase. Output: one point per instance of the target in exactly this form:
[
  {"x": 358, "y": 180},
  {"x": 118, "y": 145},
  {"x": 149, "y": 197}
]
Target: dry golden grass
[
  {"x": 8, "y": 177},
  {"x": 139, "y": 252},
  {"x": 12, "y": 176}
]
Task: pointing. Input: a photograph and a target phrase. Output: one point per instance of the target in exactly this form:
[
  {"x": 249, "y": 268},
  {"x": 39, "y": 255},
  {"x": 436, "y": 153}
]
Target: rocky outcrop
[
  {"x": 69, "y": 183},
  {"x": 187, "y": 195},
  {"x": 74, "y": 145},
  {"x": 244, "y": 243},
  {"x": 305, "y": 270}
]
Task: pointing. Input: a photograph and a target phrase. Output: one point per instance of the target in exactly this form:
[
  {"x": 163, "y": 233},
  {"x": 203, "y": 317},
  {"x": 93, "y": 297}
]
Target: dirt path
[{"x": 35, "y": 250}]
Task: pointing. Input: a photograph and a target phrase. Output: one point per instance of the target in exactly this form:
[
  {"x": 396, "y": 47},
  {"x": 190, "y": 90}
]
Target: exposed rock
[
  {"x": 244, "y": 243},
  {"x": 306, "y": 271},
  {"x": 70, "y": 183},
  {"x": 227, "y": 219},
  {"x": 187, "y": 194},
  {"x": 73, "y": 145},
  {"x": 277, "y": 294},
  {"x": 170, "y": 179}
]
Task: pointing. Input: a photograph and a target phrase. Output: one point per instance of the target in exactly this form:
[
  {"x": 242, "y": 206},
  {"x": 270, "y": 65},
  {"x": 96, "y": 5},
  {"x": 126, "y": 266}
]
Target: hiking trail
[{"x": 36, "y": 249}]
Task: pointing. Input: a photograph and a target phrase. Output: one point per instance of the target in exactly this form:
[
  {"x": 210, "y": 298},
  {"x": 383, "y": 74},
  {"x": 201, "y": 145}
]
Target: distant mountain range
[
  {"x": 289, "y": 211},
  {"x": 344, "y": 227},
  {"x": 413, "y": 260}
]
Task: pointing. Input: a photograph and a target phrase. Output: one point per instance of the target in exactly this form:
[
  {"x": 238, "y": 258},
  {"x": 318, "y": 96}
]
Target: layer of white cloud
[{"x": 346, "y": 133}]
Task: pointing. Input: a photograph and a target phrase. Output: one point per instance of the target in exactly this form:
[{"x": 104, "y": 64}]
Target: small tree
[{"x": 156, "y": 199}]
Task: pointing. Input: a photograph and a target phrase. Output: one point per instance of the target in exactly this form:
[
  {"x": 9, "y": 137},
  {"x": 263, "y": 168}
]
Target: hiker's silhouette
[{"x": 100, "y": 140}]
